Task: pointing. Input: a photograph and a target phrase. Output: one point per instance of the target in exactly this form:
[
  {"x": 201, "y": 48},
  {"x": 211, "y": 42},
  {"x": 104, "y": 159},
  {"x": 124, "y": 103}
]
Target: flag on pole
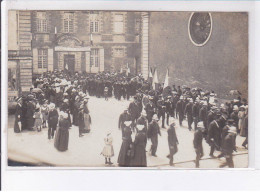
[
  {"x": 150, "y": 73},
  {"x": 155, "y": 79},
  {"x": 166, "y": 81}
]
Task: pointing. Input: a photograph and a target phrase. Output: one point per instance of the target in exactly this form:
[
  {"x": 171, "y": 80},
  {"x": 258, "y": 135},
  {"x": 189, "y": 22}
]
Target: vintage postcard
[{"x": 136, "y": 89}]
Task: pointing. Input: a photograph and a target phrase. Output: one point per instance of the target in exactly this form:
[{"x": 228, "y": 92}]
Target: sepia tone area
[{"x": 127, "y": 89}]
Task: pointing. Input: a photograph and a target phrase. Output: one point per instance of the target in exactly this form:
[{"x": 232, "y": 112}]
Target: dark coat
[
  {"x": 153, "y": 130},
  {"x": 61, "y": 141},
  {"x": 196, "y": 110},
  {"x": 53, "y": 117},
  {"x": 198, "y": 137},
  {"x": 229, "y": 143},
  {"x": 139, "y": 159},
  {"x": 122, "y": 118},
  {"x": 188, "y": 109},
  {"x": 180, "y": 106},
  {"x": 123, "y": 158},
  {"x": 172, "y": 138},
  {"x": 214, "y": 133},
  {"x": 134, "y": 110},
  {"x": 203, "y": 114}
]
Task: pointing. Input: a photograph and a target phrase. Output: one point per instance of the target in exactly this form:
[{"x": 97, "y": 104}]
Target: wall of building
[
  {"x": 105, "y": 39},
  {"x": 221, "y": 64}
]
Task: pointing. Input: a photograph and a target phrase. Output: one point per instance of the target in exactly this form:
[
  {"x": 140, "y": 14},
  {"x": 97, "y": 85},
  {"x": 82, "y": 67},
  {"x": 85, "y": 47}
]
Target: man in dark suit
[
  {"x": 229, "y": 145},
  {"x": 134, "y": 111},
  {"x": 161, "y": 109},
  {"x": 195, "y": 113},
  {"x": 180, "y": 110},
  {"x": 188, "y": 112},
  {"x": 203, "y": 114},
  {"x": 152, "y": 133},
  {"x": 172, "y": 142},
  {"x": 197, "y": 143},
  {"x": 150, "y": 109},
  {"x": 52, "y": 121}
]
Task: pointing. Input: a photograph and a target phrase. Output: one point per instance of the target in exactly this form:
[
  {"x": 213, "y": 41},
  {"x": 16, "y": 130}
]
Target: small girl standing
[
  {"x": 38, "y": 119},
  {"x": 108, "y": 150}
]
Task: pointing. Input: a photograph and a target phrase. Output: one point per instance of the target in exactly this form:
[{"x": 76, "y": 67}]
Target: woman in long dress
[
  {"x": 18, "y": 114},
  {"x": 139, "y": 159},
  {"x": 62, "y": 136},
  {"x": 87, "y": 118},
  {"x": 241, "y": 117},
  {"x": 123, "y": 157}
]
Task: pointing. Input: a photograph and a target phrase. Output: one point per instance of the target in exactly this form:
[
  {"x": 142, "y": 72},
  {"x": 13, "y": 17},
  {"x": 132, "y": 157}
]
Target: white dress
[{"x": 108, "y": 150}]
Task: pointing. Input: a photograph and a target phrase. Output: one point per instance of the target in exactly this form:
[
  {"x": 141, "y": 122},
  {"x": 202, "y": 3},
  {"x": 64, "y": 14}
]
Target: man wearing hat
[
  {"x": 229, "y": 145},
  {"x": 197, "y": 143},
  {"x": 161, "y": 109},
  {"x": 172, "y": 142},
  {"x": 169, "y": 108},
  {"x": 214, "y": 134},
  {"x": 152, "y": 133},
  {"x": 203, "y": 114},
  {"x": 52, "y": 121},
  {"x": 211, "y": 114},
  {"x": 134, "y": 111},
  {"x": 180, "y": 109},
  {"x": 195, "y": 112},
  {"x": 188, "y": 112},
  {"x": 150, "y": 109}
]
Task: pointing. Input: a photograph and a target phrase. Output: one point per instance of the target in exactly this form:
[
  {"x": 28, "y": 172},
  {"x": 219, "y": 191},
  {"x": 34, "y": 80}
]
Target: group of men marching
[
  {"x": 217, "y": 125},
  {"x": 59, "y": 91}
]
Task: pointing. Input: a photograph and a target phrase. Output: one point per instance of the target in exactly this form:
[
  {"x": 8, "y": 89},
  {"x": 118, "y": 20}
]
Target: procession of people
[{"x": 59, "y": 100}]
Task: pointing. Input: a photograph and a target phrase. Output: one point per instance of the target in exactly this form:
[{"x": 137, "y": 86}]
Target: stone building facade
[{"x": 79, "y": 41}]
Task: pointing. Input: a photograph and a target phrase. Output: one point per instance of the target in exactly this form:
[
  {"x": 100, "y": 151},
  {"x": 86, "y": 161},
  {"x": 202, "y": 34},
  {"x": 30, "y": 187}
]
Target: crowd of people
[{"x": 60, "y": 99}]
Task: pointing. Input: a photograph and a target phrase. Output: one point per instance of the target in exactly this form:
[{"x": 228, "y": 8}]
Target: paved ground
[{"x": 35, "y": 147}]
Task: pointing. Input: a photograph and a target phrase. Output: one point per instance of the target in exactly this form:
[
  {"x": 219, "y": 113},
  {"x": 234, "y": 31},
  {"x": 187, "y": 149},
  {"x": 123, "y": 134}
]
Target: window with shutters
[
  {"x": 95, "y": 57},
  {"x": 68, "y": 22},
  {"x": 94, "y": 22},
  {"x": 42, "y": 58},
  {"x": 119, "y": 23},
  {"x": 41, "y": 20}
]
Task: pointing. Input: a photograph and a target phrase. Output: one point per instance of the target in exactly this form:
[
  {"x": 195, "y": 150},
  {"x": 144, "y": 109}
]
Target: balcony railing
[
  {"x": 107, "y": 37},
  {"x": 19, "y": 53}
]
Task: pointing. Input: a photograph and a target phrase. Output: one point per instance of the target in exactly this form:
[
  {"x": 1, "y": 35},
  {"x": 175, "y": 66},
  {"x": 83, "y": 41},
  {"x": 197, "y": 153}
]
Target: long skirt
[
  {"x": 86, "y": 123},
  {"x": 123, "y": 159},
  {"x": 139, "y": 159},
  {"x": 61, "y": 141}
]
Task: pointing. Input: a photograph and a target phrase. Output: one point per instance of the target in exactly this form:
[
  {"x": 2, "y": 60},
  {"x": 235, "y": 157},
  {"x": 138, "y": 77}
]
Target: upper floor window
[
  {"x": 94, "y": 22},
  {"x": 42, "y": 58},
  {"x": 119, "y": 24},
  {"x": 68, "y": 22},
  {"x": 94, "y": 57},
  {"x": 41, "y": 22}
]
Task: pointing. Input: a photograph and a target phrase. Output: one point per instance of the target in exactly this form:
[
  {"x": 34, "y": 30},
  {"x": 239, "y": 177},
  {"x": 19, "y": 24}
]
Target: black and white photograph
[{"x": 127, "y": 89}]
